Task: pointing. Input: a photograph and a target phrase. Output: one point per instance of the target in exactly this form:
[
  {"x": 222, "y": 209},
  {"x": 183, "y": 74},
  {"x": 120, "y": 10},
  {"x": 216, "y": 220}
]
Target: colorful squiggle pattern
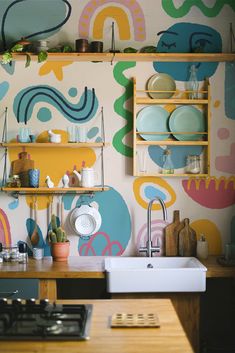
[
  {"x": 109, "y": 248},
  {"x": 146, "y": 188},
  {"x": 80, "y": 112},
  {"x": 55, "y": 67},
  {"x": 119, "y": 107},
  {"x": 226, "y": 163},
  {"x": 157, "y": 232},
  {"x": 92, "y": 6},
  {"x": 209, "y": 11},
  {"x": 5, "y": 231},
  {"x": 211, "y": 192}
]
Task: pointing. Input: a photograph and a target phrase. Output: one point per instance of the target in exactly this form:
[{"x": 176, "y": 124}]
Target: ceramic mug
[
  {"x": 38, "y": 253},
  {"x": 87, "y": 177},
  {"x": 34, "y": 175}
]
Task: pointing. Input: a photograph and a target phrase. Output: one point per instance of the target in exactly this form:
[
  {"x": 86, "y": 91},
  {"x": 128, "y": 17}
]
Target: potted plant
[{"x": 58, "y": 240}]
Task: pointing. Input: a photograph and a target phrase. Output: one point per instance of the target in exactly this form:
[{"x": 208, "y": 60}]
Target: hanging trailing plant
[{"x": 21, "y": 47}]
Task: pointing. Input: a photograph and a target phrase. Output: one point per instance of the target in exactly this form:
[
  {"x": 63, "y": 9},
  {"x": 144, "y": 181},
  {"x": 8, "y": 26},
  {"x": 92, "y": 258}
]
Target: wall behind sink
[{"x": 46, "y": 96}]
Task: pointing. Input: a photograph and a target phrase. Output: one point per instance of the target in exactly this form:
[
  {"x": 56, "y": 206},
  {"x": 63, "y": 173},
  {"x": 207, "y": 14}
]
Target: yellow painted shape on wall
[
  {"x": 119, "y": 15},
  {"x": 212, "y": 234},
  {"x": 138, "y": 183},
  {"x": 55, "y": 67},
  {"x": 55, "y": 162}
]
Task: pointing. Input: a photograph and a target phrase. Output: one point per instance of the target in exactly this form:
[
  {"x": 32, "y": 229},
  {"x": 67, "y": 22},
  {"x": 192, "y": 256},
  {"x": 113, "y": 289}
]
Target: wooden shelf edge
[
  {"x": 171, "y": 101},
  {"x": 171, "y": 175},
  {"x": 145, "y": 57},
  {"x": 53, "y": 145},
  {"x": 45, "y": 190},
  {"x": 172, "y": 143}
]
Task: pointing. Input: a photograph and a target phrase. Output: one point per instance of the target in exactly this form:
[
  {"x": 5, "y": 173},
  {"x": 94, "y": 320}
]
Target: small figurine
[
  {"x": 49, "y": 182},
  {"x": 65, "y": 181}
]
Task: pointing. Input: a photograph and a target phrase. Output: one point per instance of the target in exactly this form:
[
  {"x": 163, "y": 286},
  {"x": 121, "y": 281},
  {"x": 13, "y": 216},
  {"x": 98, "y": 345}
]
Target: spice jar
[
  {"x": 15, "y": 182},
  {"x": 193, "y": 164}
]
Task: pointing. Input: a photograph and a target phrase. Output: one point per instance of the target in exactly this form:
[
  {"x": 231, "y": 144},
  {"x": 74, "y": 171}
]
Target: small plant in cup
[{"x": 58, "y": 240}]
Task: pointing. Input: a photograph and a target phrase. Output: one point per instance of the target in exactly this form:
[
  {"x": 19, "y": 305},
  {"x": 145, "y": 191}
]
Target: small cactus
[{"x": 56, "y": 234}]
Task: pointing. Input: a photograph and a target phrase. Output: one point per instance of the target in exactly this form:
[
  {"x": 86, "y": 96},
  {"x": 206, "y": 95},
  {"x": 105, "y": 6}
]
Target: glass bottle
[
  {"x": 168, "y": 167},
  {"x": 193, "y": 83},
  {"x": 193, "y": 164}
]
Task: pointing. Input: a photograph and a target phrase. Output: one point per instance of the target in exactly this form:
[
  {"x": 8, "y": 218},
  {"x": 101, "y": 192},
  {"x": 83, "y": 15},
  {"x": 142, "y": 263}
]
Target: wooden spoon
[{"x": 35, "y": 235}]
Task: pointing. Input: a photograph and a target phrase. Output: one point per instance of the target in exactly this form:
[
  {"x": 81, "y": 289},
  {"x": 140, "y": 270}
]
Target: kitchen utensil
[
  {"x": 187, "y": 240},
  {"x": 171, "y": 238},
  {"x": 187, "y": 119},
  {"x": 161, "y": 82},
  {"x": 153, "y": 119},
  {"x": 35, "y": 235},
  {"x": 85, "y": 220},
  {"x": 22, "y": 164},
  {"x": 86, "y": 177},
  {"x": 54, "y": 138},
  {"x": 38, "y": 253}
]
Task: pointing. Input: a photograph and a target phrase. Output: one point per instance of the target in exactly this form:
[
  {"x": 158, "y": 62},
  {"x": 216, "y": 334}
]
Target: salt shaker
[{"x": 23, "y": 253}]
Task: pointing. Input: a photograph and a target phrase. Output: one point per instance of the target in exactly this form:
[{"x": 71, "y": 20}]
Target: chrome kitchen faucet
[{"x": 149, "y": 249}]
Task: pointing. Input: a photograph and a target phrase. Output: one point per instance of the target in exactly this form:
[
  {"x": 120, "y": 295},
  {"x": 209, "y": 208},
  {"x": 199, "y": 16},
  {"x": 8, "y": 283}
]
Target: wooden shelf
[
  {"x": 53, "y": 145},
  {"x": 170, "y": 101},
  {"x": 45, "y": 190},
  {"x": 171, "y": 175},
  {"x": 145, "y": 57},
  {"x": 172, "y": 143}
]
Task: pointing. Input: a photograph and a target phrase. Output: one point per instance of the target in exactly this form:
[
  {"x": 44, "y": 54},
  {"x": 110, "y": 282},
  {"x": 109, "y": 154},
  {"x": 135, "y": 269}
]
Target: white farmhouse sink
[{"x": 156, "y": 274}]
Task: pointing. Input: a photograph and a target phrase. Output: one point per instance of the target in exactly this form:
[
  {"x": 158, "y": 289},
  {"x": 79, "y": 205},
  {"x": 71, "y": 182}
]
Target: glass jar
[
  {"x": 167, "y": 167},
  {"x": 193, "y": 164},
  {"x": 15, "y": 182}
]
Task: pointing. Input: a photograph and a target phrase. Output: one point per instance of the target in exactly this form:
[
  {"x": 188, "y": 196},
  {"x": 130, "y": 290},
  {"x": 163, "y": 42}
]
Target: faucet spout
[{"x": 150, "y": 249}]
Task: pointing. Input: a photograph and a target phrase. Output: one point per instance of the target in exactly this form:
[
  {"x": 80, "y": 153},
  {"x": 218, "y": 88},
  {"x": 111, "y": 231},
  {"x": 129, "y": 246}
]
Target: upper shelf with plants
[{"x": 144, "y": 57}]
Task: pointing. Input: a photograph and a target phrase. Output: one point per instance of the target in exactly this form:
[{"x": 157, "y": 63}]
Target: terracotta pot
[{"x": 60, "y": 251}]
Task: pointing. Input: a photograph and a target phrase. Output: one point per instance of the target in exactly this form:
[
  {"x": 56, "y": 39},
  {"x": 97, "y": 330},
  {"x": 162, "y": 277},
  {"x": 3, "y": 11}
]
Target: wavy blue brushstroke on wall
[
  {"x": 4, "y": 87},
  {"x": 184, "y": 38},
  {"x": 81, "y": 112}
]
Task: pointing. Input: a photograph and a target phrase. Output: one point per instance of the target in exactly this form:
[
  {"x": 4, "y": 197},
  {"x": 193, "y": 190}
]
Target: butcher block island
[{"x": 169, "y": 337}]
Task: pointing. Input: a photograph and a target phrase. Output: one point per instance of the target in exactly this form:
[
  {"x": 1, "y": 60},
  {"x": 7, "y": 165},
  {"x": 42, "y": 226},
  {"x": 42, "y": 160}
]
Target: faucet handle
[{"x": 143, "y": 249}]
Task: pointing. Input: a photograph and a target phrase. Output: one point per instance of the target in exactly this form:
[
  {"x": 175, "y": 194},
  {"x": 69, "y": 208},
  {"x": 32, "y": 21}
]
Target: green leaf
[
  {"x": 6, "y": 57},
  {"x": 28, "y": 60},
  {"x": 42, "y": 56},
  {"x": 17, "y": 48}
]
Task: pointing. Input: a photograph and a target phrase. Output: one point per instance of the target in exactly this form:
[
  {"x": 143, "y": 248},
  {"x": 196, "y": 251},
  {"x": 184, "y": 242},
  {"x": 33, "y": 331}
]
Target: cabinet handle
[{"x": 8, "y": 294}]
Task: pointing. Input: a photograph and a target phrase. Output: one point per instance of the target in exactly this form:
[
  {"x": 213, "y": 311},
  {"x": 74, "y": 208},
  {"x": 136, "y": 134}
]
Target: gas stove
[{"x": 32, "y": 320}]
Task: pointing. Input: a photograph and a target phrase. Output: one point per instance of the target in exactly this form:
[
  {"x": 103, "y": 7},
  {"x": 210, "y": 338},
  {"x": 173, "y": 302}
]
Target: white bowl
[{"x": 85, "y": 220}]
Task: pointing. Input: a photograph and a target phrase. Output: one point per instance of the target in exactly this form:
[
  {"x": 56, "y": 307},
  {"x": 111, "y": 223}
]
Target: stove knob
[
  {"x": 31, "y": 301},
  {"x": 44, "y": 302},
  {"x": 17, "y": 302}
]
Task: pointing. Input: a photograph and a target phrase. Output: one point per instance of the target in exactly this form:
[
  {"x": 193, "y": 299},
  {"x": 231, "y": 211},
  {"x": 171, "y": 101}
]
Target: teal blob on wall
[
  {"x": 184, "y": 38},
  {"x": 115, "y": 231},
  {"x": 178, "y": 154},
  {"x": 9, "y": 68},
  {"x": 43, "y": 19},
  {"x": 229, "y": 90},
  {"x": 4, "y": 86},
  {"x": 73, "y": 92},
  {"x": 151, "y": 192},
  {"x": 44, "y": 114}
]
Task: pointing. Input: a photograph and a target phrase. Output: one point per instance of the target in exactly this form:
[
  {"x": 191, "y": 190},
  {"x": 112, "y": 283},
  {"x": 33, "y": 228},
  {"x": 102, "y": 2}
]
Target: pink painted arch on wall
[{"x": 133, "y": 7}]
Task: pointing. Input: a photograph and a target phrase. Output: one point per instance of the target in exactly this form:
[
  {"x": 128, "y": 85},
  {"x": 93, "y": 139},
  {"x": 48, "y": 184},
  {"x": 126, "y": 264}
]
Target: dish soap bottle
[
  {"x": 202, "y": 247},
  {"x": 168, "y": 167},
  {"x": 193, "y": 83}
]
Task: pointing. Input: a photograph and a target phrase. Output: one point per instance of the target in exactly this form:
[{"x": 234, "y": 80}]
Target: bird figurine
[
  {"x": 65, "y": 181},
  {"x": 49, "y": 182}
]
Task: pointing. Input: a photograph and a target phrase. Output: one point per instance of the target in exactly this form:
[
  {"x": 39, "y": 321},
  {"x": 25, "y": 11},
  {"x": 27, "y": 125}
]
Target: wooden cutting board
[
  {"x": 187, "y": 240},
  {"x": 22, "y": 164},
  {"x": 171, "y": 236}
]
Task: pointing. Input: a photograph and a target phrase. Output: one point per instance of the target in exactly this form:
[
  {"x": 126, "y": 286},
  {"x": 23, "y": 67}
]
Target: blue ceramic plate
[
  {"x": 153, "y": 119},
  {"x": 187, "y": 119}
]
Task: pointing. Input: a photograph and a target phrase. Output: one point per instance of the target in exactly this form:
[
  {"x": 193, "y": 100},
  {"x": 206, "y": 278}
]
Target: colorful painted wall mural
[{"x": 64, "y": 96}]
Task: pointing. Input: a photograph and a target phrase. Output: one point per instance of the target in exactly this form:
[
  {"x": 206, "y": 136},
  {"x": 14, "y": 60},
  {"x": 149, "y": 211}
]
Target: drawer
[{"x": 19, "y": 288}]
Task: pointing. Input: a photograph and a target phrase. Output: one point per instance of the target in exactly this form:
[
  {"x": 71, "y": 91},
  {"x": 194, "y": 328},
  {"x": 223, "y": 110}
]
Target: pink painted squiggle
[{"x": 107, "y": 251}]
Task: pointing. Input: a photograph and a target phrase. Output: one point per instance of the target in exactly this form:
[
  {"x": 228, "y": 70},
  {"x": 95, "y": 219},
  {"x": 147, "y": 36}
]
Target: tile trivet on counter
[{"x": 134, "y": 320}]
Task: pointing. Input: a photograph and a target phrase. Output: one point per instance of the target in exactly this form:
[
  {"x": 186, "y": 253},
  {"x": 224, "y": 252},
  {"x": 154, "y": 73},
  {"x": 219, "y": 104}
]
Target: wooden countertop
[
  {"x": 170, "y": 337},
  {"x": 85, "y": 267}
]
